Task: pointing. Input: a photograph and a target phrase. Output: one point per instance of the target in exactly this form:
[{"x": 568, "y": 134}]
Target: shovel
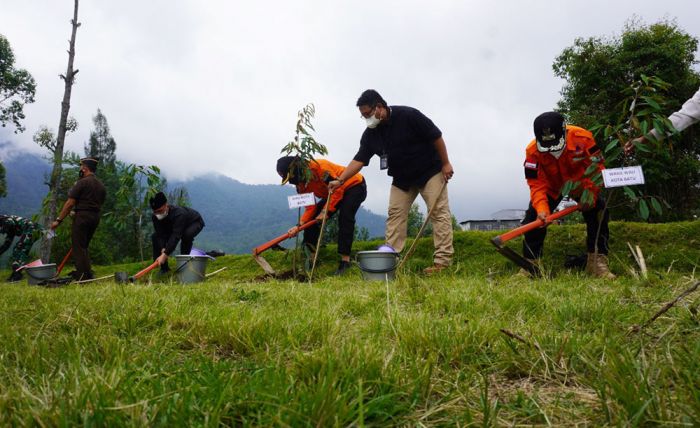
[
  {"x": 500, "y": 240},
  {"x": 266, "y": 246},
  {"x": 122, "y": 277}
]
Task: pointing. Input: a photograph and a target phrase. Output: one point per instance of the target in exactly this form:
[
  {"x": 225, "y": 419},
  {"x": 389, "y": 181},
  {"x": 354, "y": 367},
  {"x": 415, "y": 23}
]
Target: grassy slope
[{"x": 342, "y": 351}]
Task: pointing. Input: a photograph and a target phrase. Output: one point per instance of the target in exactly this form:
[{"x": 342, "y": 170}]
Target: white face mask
[
  {"x": 557, "y": 154},
  {"x": 161, "y": 216},
  {"x": 372, "y": 122}
]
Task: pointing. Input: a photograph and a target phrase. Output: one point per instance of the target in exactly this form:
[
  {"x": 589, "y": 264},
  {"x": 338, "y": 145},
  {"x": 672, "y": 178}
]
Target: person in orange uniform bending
[
  {"x": 561, "y": 153},
  {"x": 345, "y": 200}
]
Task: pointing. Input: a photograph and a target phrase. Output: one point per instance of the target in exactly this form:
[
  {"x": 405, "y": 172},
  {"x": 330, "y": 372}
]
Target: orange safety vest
[
  {"x": 546, "y": 174},
  {"x": 317, "y": 185}
]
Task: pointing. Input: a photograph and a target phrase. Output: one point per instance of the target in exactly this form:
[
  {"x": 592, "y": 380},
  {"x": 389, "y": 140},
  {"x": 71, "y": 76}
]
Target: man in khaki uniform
[
  {"x": 85, "y": 198},
  {"x": 411, "y": 149}
]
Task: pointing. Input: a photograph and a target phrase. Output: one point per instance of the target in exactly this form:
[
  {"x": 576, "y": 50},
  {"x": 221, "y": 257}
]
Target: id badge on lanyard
[{"x": 384, "y": 161}]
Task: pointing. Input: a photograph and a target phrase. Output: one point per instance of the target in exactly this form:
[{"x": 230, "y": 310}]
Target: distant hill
[
  {"x": 241, "y": 216},
  {"x": 238, "y": 216},
  {"x": 26, "y": 177}
]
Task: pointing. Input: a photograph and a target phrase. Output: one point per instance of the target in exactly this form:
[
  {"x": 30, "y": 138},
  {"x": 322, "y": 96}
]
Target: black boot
[
  {"x": 81, "y": 276},
  {"x": 342, "y": 267},
  {"x": 16, "y": 275}
]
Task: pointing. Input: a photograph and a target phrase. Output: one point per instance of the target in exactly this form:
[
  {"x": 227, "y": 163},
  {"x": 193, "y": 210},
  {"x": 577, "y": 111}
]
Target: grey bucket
[
  {"x": 37, "y": 274},
  {"x": 377, "y": 265},
  {"x": 191, "y": 269}
]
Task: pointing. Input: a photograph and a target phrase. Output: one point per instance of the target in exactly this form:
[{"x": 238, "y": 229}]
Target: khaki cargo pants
[{"x": 400, "y": 202}]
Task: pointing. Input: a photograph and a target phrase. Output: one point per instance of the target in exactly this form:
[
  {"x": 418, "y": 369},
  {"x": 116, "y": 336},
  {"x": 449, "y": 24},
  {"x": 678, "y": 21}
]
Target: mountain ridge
[{"x": 238, "y": 216}]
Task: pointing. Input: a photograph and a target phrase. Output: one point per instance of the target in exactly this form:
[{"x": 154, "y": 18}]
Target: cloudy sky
[{"x": 214, "y": 86}]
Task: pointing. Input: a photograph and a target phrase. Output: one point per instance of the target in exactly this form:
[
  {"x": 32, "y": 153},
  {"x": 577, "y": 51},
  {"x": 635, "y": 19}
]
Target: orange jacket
[
  {"x": 319, "y": 188},
  {"x": 546, "y": 174}
]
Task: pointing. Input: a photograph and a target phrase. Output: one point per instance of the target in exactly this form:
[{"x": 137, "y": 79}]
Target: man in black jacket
[{"x": 172, "y": 224}]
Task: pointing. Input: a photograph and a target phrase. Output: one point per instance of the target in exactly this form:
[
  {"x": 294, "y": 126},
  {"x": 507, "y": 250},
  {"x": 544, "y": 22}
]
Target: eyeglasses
[{"x": 368, "y": 114}]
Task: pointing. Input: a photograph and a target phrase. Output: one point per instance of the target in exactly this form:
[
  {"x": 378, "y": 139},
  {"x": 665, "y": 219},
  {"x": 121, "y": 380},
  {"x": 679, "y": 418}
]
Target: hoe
[
  {"x": 266, "y": 246},
  {"x": 500, "y": 240}
]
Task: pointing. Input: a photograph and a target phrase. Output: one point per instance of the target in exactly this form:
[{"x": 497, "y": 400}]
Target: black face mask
[{"x": 81, "y": 174}]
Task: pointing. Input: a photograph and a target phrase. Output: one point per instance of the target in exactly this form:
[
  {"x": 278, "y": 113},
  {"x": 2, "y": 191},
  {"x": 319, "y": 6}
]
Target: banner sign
[
  {"x": 618, "y": 177},
  {"x": 303, "y": 200}
]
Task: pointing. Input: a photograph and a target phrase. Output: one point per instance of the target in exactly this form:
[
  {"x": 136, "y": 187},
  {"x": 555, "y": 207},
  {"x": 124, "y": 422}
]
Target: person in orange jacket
[
  {"x": 561, "y": 153},
  {"x": 345, "y": 200}
]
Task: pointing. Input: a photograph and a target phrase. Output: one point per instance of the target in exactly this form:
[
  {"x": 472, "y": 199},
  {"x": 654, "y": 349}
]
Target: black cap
[
  {"x": 289, "y": 168},
  {"x": 90, "y": 162},
  {"x": 158, "y": 201},
  {"x": 550, "y": 131}
]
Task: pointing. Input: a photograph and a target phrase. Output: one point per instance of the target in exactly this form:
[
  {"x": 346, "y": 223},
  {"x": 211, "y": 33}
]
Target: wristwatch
[{"x": 58, "y": 219}]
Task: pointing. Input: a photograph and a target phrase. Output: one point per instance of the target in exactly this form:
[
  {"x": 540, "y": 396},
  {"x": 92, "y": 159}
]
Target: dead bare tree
[{"x": 55, "y": 180}]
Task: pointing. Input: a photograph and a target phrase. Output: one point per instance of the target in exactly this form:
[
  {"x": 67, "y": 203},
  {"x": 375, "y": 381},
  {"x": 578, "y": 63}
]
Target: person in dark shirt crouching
[{"x": 172, "y": 224}]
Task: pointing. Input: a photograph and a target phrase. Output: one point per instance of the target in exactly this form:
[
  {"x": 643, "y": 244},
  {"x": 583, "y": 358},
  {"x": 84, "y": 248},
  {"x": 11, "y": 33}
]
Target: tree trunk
[
  {"x": 140, "y": 237},
  {"x": 54, "y": 183}
]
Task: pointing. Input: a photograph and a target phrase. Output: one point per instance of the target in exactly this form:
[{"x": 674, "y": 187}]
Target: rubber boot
[
  {"x": 164, "y": 269},
  {"x": 597, "y": 266},
  {"x": 16, "y": 275},
  {"x": 343, "y": 266}
]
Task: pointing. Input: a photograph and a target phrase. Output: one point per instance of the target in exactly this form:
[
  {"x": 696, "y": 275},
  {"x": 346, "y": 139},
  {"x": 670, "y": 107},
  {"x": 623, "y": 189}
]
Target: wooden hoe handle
[
  {"x": 259, "y": 249},
  {"x": 502, "y": 239}
]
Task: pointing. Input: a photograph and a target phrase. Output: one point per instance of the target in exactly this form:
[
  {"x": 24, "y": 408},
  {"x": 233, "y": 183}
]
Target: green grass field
[{"x": 475, "y": 346}]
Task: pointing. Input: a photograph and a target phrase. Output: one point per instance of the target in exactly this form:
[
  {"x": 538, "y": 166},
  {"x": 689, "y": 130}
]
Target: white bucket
[
  {"x": 377, "y": 265},
  {"x": 191, "y": 269},
  {"x": 37, "y": 274}
]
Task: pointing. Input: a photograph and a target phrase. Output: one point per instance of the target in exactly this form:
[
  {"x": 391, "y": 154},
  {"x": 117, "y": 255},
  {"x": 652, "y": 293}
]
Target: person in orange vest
[
  {"x": 345, "y": 200},
  {"x": 561, "y": 153}
]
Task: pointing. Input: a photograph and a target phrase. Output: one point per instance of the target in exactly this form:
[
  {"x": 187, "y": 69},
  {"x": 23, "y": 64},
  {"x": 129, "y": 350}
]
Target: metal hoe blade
[
  {"x": 516, "y": 258},
  {"x": 264, "y": 264}
]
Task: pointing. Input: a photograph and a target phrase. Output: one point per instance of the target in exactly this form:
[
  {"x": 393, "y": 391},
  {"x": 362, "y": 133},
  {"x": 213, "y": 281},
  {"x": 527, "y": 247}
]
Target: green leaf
[
  {"x": 644, "y": 127},
  {"x": 611, "y": 145},
  {"x": 652, "y": 102},
  {"x": 566, "y": 188},
  {"x": 613, "y": 154},
  {"x": 595, "y": 128},
  {"x": 643, "y": 209},
  {"x": 592, "y": 167},
  {"x": 629, "y": 192},
  {"x": 587, "y": 197},
  {"x": 642, "y": 147},
  {"x": 656, "y": 205}
]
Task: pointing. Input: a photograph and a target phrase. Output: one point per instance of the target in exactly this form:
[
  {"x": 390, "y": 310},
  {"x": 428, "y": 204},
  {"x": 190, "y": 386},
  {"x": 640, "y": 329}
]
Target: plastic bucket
[
  {"x": 37, "y": 274},
  {"x": 191, "y": 269},
  {"x": 377, "y": 265}
]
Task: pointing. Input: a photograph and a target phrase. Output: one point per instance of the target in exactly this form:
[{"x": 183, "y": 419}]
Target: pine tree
[{"x": 102, "y": 144}]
